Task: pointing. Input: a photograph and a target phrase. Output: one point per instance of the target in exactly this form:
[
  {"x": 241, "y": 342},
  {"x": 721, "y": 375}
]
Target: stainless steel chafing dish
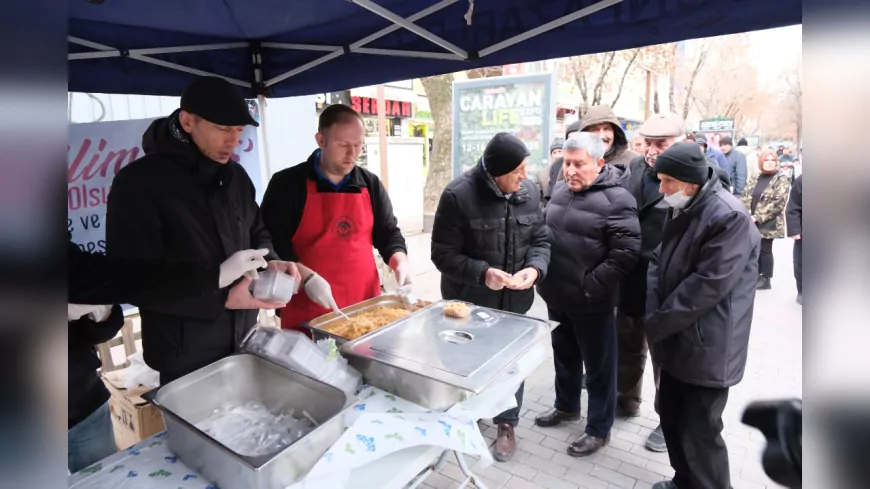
[
  {"x": 318, "y": 325},
  {"x": 436, "y": 361}
]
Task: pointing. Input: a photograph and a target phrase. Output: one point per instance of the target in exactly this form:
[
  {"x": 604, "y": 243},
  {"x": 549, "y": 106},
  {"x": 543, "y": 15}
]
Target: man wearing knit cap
[
  {"x": 660, "y": 132},
  {"x": 712, "y": 153},
  {"x": 491, "y": 245},
  {"x": 736, "y": 165},
  {"x": 700, "y": 298}
]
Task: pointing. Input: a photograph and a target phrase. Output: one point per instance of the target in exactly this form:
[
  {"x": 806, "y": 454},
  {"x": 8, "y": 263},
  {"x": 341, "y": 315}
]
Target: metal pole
[
  {"x": 382, "y": 137},
  {"x": 647, "y": 98}
]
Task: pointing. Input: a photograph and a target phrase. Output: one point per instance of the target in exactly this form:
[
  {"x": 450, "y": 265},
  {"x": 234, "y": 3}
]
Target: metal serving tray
[
  {"x": 238, "y": 379},
  {"x": 435, "y": 361},
  {"x": 316, "y": 325}
]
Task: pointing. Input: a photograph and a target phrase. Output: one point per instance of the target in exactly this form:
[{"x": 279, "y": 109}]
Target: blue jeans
[{"x": 91, "y": 440}]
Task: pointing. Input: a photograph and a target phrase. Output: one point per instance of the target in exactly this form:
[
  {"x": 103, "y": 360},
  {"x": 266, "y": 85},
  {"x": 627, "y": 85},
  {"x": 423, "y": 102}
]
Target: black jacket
[
  {"x": 284, "y": 203},
  {"x": 651, "y": 212},
  {"x": 174, "y": 203},
  {"x": 476, "y": 228},
  {"x": 98, "y": 279},
  {"x": 594, "y": 239},
  {"x": 701, "y": 294},
  {"x": 794, "y": 211}
]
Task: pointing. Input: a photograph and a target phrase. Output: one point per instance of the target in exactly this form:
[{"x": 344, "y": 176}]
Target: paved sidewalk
[{"x": 773, "y": 371}]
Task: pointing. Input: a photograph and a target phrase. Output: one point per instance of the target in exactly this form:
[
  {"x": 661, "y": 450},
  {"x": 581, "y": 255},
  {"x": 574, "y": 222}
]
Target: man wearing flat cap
[
  {"x": 660, "y": 132},
  {"x": 700, "y": 299},
  {"x": 490, "y": 243},
  {"x": 187, "y": 200}
]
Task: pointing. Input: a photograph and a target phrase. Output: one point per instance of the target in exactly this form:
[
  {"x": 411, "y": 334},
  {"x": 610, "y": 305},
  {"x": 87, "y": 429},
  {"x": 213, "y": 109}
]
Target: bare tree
[
  {"x": 439, "y": 91},
  {"x": 635, "y": 53},
  {"x": 792, "y": 95},
  {"x": 702, "y": 58}
]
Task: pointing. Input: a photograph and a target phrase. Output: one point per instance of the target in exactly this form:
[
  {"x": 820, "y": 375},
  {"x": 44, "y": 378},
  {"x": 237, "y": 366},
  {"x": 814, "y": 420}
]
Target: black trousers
[
  {"x": 590, "y": 340},
  {"x": 799, "y": 265},
  {"x": 512, "y": 416},
  {"x": 631, "y": 361},
  {"x": 765, "y": 258},
  {"x": 691, "y": 418}
]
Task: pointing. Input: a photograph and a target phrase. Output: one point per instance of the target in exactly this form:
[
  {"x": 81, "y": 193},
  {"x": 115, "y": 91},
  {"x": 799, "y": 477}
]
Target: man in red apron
[{"x": 328, "y": 214}]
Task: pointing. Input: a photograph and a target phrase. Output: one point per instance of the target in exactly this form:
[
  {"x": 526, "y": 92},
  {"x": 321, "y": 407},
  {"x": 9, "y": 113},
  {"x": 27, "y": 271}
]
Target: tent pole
[
  {"x": 382, "y": 137},
  {"x": 546, "y": 27},
  {"x": 409, "y": 54},
  {"x": 261, "y": 101},
  {"x": 398, "y": 20}
]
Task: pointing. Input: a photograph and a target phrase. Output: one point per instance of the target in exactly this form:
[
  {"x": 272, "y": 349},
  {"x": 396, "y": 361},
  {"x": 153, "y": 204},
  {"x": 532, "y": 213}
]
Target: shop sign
[{"x": 369, "y": 106}]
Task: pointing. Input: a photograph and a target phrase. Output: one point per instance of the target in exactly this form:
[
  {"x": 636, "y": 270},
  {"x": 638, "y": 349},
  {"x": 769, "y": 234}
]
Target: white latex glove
[
  {"x": 403, "y": 273},
  {"x": 245, "y": 262},
  {"x": 319, "y": 291},
  {"x": 98, "y": 313}
]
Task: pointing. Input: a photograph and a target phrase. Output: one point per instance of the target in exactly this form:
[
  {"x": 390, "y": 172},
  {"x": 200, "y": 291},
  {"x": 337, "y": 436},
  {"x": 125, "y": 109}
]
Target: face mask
[{"x": 677, "y": 200}]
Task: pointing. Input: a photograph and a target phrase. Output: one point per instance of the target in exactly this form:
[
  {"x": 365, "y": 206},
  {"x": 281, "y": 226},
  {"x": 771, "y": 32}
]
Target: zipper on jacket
[{"x": 507, "y": 247}]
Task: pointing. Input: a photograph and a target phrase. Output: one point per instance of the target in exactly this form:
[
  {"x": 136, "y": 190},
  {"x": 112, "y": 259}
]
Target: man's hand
[
  {"x": 401, "y": 268},
  {"x": 77, "y": 311},
  {"x": 754, "y": 219},
  {"x": 241, "y": 263},
  {"x": 319, "y": 291},
  {"x": 287, "y": 267},
  {"x": 529, "y": 276},
  {"x": 795, "y": 237},
  {"x": 240, "y": 298},
  {"x": 496, "y": 279}
]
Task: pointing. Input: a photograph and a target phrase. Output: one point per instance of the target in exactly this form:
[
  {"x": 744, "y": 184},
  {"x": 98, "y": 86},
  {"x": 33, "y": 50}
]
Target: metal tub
[
  {"x": 238, "y": 379},
  {"x": 436, "y": 361},
  {"x": 318, "y": 324}
]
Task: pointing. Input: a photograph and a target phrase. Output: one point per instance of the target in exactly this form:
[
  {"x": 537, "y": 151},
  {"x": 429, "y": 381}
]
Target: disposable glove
[
  {"x": 403, "y": 273},
  {"x": 242, "y": 263},
  {"x": 77, "y": 311},
  {"x": 319, "y": 291}
]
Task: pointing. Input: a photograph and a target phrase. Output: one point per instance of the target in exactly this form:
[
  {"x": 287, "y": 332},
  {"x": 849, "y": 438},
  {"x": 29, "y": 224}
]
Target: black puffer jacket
[
  {"x": 595, "y": 240},
  {"x": 476, "y": 227},
  {"x": 701, "y": 293},
  {"x": 175, "y": 203}
]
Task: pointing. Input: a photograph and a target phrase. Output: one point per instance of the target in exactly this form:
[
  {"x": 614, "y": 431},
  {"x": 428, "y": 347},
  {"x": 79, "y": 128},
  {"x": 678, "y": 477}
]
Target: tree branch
[
  {"x": 701, "y": 59},
  {"x": 625, "y": 73}
]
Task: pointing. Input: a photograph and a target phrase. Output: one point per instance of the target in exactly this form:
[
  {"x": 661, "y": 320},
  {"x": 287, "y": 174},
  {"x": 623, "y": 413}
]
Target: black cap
[
  {"x": 557, "y": 144},
  {"x": 503, "y": 154},
  {"x": 742, "y": 142},
  {"x": 726, "y": 141},
  {"x": 573, "y": 127},
  {"x": 683, "y": 161},
  {"x": 700, "y": 139},
  {"x": 217, "y": 101}
]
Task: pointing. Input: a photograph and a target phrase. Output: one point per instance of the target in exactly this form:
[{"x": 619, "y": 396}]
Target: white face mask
[{"x": 677, "y": 200}]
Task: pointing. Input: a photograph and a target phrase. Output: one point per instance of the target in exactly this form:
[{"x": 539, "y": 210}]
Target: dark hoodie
[
  {"x": 175, "y": 203},
  {"x": 594, "y": 241}
]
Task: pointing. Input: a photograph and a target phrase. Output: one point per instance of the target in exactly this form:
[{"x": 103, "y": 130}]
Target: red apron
[{"x": 334, "y": 239}]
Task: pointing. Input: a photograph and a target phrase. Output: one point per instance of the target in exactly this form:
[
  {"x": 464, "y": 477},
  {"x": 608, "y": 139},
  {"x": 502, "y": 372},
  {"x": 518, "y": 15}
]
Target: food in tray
[
  {"x": 458, "y": 310},
  {"x": 366, "y": 322}
]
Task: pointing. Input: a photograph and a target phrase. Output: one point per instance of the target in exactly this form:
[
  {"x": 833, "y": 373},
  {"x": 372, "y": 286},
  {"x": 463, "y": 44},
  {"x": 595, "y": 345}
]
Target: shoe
[
  {"x": 664, "y": 485},
  {"x": 555, "y": 417},
  {"x": 505, "y": 444},
  {"x": 763, "y": 284},
  {"x": 625, "y": 412},
  {"x": 656, "y": 441},
  {"x": 800, "y": 299},
  {"x": 587, "y": 445}
]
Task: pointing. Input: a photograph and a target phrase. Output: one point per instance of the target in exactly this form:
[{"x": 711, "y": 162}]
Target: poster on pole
[
  {"x": 97, "y": 151},
  {"x": 715, "y": 130},
  {"x": 521, "y": 105}
]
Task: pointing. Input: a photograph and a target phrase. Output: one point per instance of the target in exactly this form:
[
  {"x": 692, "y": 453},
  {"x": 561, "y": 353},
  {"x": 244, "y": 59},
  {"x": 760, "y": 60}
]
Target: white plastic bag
[
  {"x": 343, "y": 376},
  {"x": 140, "y": 374}
]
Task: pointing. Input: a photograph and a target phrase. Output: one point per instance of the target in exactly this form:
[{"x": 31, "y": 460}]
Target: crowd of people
[{"x": 655, "y": 245}]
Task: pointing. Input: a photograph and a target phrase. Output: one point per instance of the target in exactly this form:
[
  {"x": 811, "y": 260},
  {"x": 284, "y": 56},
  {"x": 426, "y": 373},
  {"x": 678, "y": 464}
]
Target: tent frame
[{"x": 455, "y": 53}]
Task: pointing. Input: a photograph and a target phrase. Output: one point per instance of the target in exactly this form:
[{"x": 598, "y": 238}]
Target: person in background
[
  {"x": 736, "y": 163},
  {"x": 556, "y": 170},
  {"x": 328, "y": 213},
  {"x": 601, "y": 120},
  {"x": 543, "y": 176},
  {"x": 780, "y": 151},
  {"x": 490, "y": 243},
  {"x": 751, "y": 156},
  {"x": 786, "y": 156},
  {"x": 700, "y": 301},
  {"x": 794, "y": 214},
  {"x": 96, "y": 284},
  {"x": 713, "y": 154},
  {"x": 661, "y": 131},
  {"x": 766, "y": 196},
  {"x": 595, "y": 240},
  {"x": 187, "y": 200},
  {"x": 638, "y": 144}
]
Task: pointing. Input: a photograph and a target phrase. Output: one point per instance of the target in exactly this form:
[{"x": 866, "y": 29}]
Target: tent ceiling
[{"x": 296, "y": 47}]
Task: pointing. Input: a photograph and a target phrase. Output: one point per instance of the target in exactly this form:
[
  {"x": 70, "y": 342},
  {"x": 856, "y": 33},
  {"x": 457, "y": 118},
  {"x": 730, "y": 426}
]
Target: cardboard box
[{"x": 133, "y": 418}]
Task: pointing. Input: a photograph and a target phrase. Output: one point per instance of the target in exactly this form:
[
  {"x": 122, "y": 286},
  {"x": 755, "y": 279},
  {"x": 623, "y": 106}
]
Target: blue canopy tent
[{"x": 280, "y": 48}]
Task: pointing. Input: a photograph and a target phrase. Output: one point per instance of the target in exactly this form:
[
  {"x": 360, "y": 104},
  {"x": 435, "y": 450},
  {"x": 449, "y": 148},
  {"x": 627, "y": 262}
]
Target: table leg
[
  {"x": 470, "y": 477},
  {"x": 421, "y": 477}
]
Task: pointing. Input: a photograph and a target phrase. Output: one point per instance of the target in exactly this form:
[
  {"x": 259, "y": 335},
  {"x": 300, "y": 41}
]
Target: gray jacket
[
  {"x": 701, "y": 289},
  {"x": 737, "y": 167}
]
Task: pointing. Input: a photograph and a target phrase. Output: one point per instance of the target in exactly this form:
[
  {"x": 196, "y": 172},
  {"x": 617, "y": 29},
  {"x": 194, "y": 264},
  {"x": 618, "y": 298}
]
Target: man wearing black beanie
[
  {"x": 700, "y": 298},
  {"x": 491, "y": 245}
]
